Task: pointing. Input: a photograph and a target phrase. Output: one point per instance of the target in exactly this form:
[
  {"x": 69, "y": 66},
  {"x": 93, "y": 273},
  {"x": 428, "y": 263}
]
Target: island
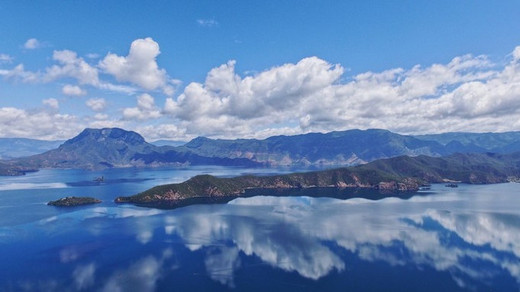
[
  {"x": 73, "y": 201},
  {"x": 398, "y": 175}
]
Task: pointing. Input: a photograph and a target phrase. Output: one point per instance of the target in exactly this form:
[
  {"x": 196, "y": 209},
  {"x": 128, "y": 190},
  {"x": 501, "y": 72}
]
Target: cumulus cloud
[
  {"x": 18, "y": 73},
  {"x": 96, "y": 104},
  {"x": 164, "y": 131},
  {"x": 100, "y": 116},
  {"x": 32, "y": 44},
  {"x": 139, "y": 67},
  {"x": 71, "y": 66},
  {"x": 243, "y": 105},
  {"x": 104, "y": 121},
  {"x": 73, "y": 90},
  {"x": 51, "y": 102},
  {"x": 469, "y": 93},
  {"x": 146, "y": 109},
  {"x": 43, "y": 124}
]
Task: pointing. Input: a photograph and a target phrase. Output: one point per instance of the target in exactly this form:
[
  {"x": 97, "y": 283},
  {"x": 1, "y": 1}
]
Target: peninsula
[{"x": 387, "y": 176}]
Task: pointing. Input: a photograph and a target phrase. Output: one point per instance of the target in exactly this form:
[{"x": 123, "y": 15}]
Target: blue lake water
[{"x": 466, "y": 238}]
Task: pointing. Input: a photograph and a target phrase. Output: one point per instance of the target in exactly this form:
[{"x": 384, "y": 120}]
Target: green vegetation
[
  {"x": 399, "y": 174},
  {"x": 73, "y": 201}
]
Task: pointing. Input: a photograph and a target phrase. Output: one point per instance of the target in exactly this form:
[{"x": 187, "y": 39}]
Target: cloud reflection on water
[
  {"x": 471, "y": 238},
  {"x": 292, "y": 234}
]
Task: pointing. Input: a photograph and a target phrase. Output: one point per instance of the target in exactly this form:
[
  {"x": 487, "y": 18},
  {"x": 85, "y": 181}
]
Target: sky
[{"x": 253, "y": 69}]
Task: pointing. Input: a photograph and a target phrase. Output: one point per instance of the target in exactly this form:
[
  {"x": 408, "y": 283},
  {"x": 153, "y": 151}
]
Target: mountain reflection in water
[{"x": 465, "y": 239}]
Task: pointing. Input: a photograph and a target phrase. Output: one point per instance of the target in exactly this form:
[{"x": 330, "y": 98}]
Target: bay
[{"x": 466, "y": 238}]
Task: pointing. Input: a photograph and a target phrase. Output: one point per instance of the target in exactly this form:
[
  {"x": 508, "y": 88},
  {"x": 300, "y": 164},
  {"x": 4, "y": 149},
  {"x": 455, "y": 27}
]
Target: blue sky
[{"x": 180, "y": 69}]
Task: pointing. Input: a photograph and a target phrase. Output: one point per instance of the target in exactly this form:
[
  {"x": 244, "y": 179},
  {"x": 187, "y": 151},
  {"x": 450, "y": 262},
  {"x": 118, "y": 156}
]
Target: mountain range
[
  {"x": 114, "y": 147},
  {"x": 352, "y": 146}
]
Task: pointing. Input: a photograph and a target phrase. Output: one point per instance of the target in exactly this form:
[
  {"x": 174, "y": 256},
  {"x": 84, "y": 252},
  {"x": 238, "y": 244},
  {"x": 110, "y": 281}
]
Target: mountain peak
[{"x": 107, "y": 134}]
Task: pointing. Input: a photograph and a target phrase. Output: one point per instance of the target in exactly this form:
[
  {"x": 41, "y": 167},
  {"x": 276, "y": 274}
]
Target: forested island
[{"x": 74, "y": 201}]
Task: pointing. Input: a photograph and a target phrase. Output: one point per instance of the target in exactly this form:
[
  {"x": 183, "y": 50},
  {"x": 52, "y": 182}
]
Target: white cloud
[
  {"x": 42, "y": 124},
  {"x": 139, "y": 67},
  {"x": 207, "y": 22},
  {"x": 4, "y": 58},
  {"x": 164, "y": 131},
  {"x": 18, "y": 73},
  {"x": 117, "y": 88},
  {"x": 103, "y": 121},
  {"x": 51, "y": 102},
  {"x": 96, "y": 104},
  {"x": 100, "y": 116},
  {"x": 466, "y": 94},
  {"x": 146, "y": 109},
  {"x": 73, "y": 90},
  {"x": 71, "y": 66},
  {"x": 516, "y": 54},
  {"x": 244, "y": 105},
  {"x": 32, "y": 44}
]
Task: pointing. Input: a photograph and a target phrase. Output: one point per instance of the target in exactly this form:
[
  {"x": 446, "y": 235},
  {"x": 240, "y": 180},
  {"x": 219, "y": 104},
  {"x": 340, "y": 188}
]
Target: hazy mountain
[
  {"x": 105, "y": 148},
  {"x": 506, "y": 142},
  {"x": 113, "y": 147},
  {"x": 334, "y": 148},
  {"x": 20, "y": 147},
  {"x": 352, "y": 146}
]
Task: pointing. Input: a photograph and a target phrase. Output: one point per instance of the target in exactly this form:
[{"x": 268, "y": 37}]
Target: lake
[{"x": 446, "y": 239}]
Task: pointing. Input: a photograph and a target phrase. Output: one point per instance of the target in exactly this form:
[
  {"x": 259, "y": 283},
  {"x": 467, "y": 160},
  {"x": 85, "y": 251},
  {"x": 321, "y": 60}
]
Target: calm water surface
[{"x": 466, "y": 238}]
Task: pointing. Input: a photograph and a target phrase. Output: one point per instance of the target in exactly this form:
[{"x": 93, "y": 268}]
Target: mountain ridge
[{"x": 115, "y": 147}]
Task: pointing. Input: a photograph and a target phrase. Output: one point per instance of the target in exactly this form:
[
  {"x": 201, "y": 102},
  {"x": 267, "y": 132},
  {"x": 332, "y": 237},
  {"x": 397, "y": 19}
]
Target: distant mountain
[
  {"x": 401, "y": 173},
  {"x": 506, "y": 142},
  {"x": 334, "y": 148},
  {"x": 20, "y": 147},
  {"x": 352, "y": 147},
  {"x": 114, "y": 147}
]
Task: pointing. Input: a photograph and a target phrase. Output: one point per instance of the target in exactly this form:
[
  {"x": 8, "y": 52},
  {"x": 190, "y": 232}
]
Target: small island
[{"x": 74, "y": 201}]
